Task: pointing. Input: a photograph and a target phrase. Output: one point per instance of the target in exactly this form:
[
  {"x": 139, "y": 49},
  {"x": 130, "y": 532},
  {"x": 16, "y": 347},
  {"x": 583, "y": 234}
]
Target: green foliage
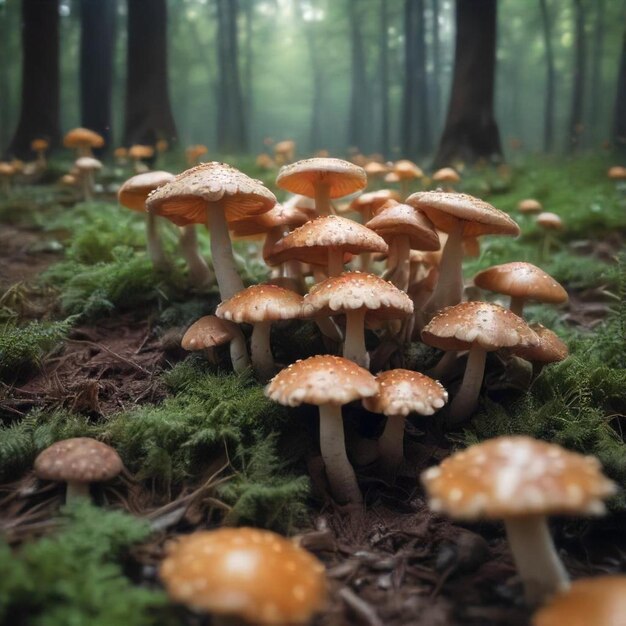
[{"x": 74, "y": 576}]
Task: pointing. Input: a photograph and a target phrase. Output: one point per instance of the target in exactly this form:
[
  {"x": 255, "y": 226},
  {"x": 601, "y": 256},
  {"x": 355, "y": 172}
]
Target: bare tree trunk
[
  {"x": 576, "y": 127},
  {"x": 548, "y": 123},
  {"x": 39, "y": 109},
  {"x": 383, "y": 75},
  {"x": 97, "y": 33},
  {"x": 5, "y": 83},
  {"x": 435, "y": 84},
  {"x": 619, "y": 127},
  {"x": 358, "y": 121},
  {"x": 148, "y": 111},
  {"x": 596, "y": 73},
  {"x": 471, "y": 130},
  {"x": 248, "y": 62}
]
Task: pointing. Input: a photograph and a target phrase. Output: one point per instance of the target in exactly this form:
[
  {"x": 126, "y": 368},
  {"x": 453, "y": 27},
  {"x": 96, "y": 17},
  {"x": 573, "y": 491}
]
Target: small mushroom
[
  {"x": 448, "y": 176},
  {"x": 87, "y": 166},
  {"x": 407, "y": 172},
  {"x": 7, "y": 171},
  {"x": 83, "y": 141},
  {"x": 529, "y": 206}
]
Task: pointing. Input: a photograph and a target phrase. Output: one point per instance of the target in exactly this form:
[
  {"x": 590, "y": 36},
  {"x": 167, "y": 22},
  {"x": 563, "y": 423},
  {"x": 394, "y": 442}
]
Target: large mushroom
[{"x": 521, "y": 480}]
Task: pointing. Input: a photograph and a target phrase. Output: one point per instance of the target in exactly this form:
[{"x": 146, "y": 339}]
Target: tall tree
[
  {"x": 97, "y": 39},
  {"x": 575, "y": 124},
  {"x": 471, "y": 130},
  {"x": 231, "y": 119},
  {"x": 435, "y": 88},
  {"x": 548, "y": 119},
  {"x": 248, "y": 61},
  {"x": 383, "y": 74},
  {"x": 5, "y": 83},
  {"x": 148, "y": 114},
  {"x": 619, "y": 126},
  {"x": 39, "y": 109},
  {"x": 596, "y": 71},
  {"x": 359, "y": 123}
]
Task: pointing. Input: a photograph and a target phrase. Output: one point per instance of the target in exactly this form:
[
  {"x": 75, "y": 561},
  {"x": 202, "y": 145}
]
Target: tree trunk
[
  {"x": 383, "y": 74},
  {"x": 148, "y": 111},
  {"x": 97, "y": 34},
  {"x": 619, "y": 128},
  {"x": 435, "y": 83},
  {"x": 248, "y": 57},
  {"x": 471, "y": 130},
  {"x": 358, "y": 121},
  {"x": 39, "y": 109},
  {"x": 548, "y": 122},
  {"x": 231, "y": 119},
  {"x": 5, "y": 83},
  {"x": 596, "y": 74},
  {"x": 576, "y": 128}
]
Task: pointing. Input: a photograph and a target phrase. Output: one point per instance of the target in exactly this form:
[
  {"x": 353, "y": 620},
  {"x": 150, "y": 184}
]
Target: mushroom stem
[
  {"x": 354, "y": 344},
  {"x": 239, "y": 353},
  {"x": 391, "y": 445},
  {"x": 467, "y": 397},
  {"x": 444, "y": 365},
  {"x": 199, "y": 272},
  {"x": 340, "y": 473},
  {"x": 535, "y": 557},
  {"x": 155, "y": 248},
  {"x": 261, "y": 352},
  {"x": 449, "y": 289},
  {"x": 228, "y": 279},
  {"x": 335, "y": 261},
  {"x": 517, "y": 306},
  {"x": 77, "y": 492},
  {"x": 400, "y": 276},
  {"x": 87, "y": 186},
  {"x": 322, "y": 199}
]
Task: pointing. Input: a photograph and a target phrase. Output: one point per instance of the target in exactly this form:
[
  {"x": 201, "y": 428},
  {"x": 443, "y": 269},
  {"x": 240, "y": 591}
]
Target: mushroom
[
  {"x": 260, "y": 305},
  {"x": 529, "y": 206},
  {"x": 548, "y": 222},
  {"x": 78, "y": 462},
  {"x": 521, "y": 480},
  {"x": 329, "y": 382},
  {"x": 193, "y": 153},
  {"x": 284, "y": 151},
  {"x": 617, "y": 172},
  {"x": 375, "y": 170},
  {"x": 401, "y": 392},
  {"x": 83, "y": 141},
  {"x": 87, "y": 166},
  {"x": 138, "y": 153},
  {"x": 7, "y": 171},
  {"x": 551, "y": 349},
  {"x": 448, "y": 176},
  {"x": 479, "y": 327},
  {"x": 244, "y": 575},
  {"x": 39, "y": 147},
  {"x": 407, "y": 172}
]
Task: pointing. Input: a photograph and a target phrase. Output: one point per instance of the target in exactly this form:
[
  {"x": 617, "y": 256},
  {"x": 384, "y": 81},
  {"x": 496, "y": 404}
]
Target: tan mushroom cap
[
  {"x": 374, "y": 200},
  {"x": 252, "y": 574},
  {"x": 6, "y": 169},
  {"x": 81, "y": 459},
  {"x": 597, "y": 601},
  {"x": 261, "y": 303},
  {"x": 185, "y": 200},
  {"x": 521, "y": 280},
  {"x": 517, "y": 476},
  {"x": 133, "y": 193},
  {"x": 374, "y": 169},
  {"x": 352, "y": 291},
  {"x": 529, "y": 205},
  {"x": 479, "y": 217},
  {"x": 550, "y": 221},
  {"x": 207, "y": 332},
  {"x": 88, "y": 164},
  {"x": 342, "y": 177},
  {"x": 321, "y": 380},
  {"x": 407, "y": 170},
  {"x": 394, "y": 219},
  {"x": 39, "y": 145},
  {"x": 401, "y": 392},
  {"x": 446, "y": 175},
  {"x": 279, "y": 215},
  {"x": 617, "y": 172},
  {"x": 138, "y": 151},
  {"x": 551, "y": 348},
  {"x": 484, "y": 324},
  {"x": 79, "y": 137},
  {"x": 309, "y": 243}
]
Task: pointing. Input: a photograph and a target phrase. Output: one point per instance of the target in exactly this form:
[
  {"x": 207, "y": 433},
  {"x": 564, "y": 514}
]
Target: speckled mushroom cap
[
  {"x": 393, "y": 219},
  {"x": 521, "y": 280},
  {"x": 550, "y": 221},
  {"x": 261, "y": 303},
  {"x": 321, "y": 380},
  {"x": 88, "y": 164},
  {"x": 207, "y": 332},
  {"x": 186, "y": 199},
  {"x": 407, "y": 170},
  {"x": 401, "y": 392},
  {"x": 351, "y": 291},
  {"x": 78, "y": 137},
  {"x": 133, "y": 193},
  {"x": 479, "y": 217},
  {"x": 342, "y": 177},
  {"x": 279, "y": 215},
  {"x": 529, "y": 205},
  {"x": 517, "y": 476},
  {"x": 551, "y": 348},
  {"x": 80, "y": 460},
  {"x": 446, "y": 175},
  {"x": 255, "y": 575},
  {"x": 597, "y": 601},
  {"x": 309, "y": 243},
  {"x": 487, "y": 325},
  {"x": 374, "y": 200}
]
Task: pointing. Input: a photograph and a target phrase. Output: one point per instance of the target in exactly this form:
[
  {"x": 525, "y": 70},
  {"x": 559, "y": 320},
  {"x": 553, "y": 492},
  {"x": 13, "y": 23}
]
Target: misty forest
[{"x": 312, "y": 312}]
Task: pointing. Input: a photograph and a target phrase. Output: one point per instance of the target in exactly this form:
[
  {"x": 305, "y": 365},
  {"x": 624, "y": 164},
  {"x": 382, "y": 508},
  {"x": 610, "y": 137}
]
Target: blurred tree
[
  {"x": 575, "y": 123},
  {"x": 597, "y": 53},
  {"x": 619, "y": 127},
  {"x": 548, "y": 123},
  {"x": 97, "y": 40},
  {"x": 383, "y": 75},
  {"x": 359, "y": 119},
  {"x": 434, "y": 86},
  {"x": 148, "y": 114},
  {"x": 471, "y": 131},
  {"x": 248, "y": 55},
  {"x": 5, "y": 83},
  {"x": 39, "y": 109}
]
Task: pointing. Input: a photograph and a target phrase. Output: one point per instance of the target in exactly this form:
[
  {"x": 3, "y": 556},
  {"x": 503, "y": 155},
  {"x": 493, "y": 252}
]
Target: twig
[
  {"x": 111, "y": 352},
  {"x": 360, "y": 607}
]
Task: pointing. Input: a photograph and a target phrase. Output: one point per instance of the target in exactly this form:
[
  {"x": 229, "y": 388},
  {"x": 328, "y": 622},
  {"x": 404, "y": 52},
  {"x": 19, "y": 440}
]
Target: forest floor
[{"x": 90, "y": 346}]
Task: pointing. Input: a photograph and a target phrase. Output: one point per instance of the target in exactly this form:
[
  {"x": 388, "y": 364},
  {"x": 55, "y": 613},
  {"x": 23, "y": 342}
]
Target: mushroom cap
[
  {"x": 261, "y": 303},
  {"x": 286, "y": 146},
  {"x": 187, "y": 199},
  {"x": 88, "y": 164},
  {"x": 407, "y": 170},
  {"x": 279, "y": 215},
  {"x": 516, "y": 476},
  {"x": 6, "y": 169},
  {"x": 446, "y": 175},
  {"x": 342, "y": 177},
  {"x": 599, "y": 601},
  {"x": 529, "y": 205},
  {"x": 133, "y": 193},
  {"x": 550, "y": 221},
  {"x": 401, "y": 392},
  {"x": 309, "y": 243},
  {"x": 394, "y": 219},
  {"x": 374, "y": 169},
  {"x": 551, "y": 348},
  {"x": 373, "y": 200},
  {"x": 138, "y": 151},
  {"x": 80, "y": 460},
  {"x": 352, "y": 291},
  {"x": 39, "y": 145},
  {"x": 120, "y": 153},
  {"x": 479, "y": 217},
  {"x": 78, "y": 137},
  {"x": 321, "y": 379},
  {"x": 617, "y": 172},
  {"x": 252, "y": 574},
  {"x": 207, "y": 332},
  {"x": 521, "y": 280},
  {"x": 483, "y": 324}
]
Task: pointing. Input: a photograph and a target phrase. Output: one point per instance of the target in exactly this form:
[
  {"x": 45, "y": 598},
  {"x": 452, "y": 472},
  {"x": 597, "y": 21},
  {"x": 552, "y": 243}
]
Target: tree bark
[
  {"x": 148, "y": 111},
  {"x": 358, "y": 121},
  {"x": 619, "y": 127},
  {"x": 97, "y": 39},
  {"x": 39, "y": 109},
  {"x": 548, "y": 122},
  {"x": 471, "y": 131},
  {"x": 575, "y": 129}
]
